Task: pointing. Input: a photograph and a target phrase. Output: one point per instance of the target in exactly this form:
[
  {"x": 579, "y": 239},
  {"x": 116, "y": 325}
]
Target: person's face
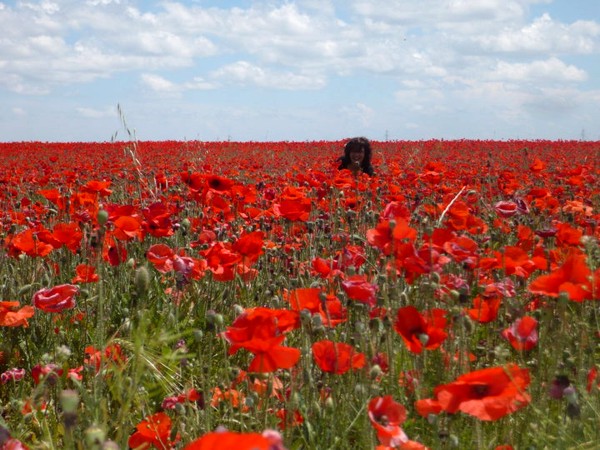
[{"x": 357, "y": 155}]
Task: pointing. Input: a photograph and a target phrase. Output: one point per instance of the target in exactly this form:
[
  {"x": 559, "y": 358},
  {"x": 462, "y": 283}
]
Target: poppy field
[{"x": 215, "y": 295}]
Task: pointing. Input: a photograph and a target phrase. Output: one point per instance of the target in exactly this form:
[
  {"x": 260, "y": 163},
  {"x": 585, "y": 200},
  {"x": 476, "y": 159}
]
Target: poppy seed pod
[{"x": 142, "y": 280}]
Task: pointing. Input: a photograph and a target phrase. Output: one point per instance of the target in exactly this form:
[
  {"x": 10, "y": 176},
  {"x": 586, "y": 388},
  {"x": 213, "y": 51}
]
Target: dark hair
[{"x": 360, "y": 143}]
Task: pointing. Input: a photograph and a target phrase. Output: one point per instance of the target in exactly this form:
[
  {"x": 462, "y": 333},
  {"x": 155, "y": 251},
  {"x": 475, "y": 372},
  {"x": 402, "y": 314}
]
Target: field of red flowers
[{"x": 216, "y": 295}]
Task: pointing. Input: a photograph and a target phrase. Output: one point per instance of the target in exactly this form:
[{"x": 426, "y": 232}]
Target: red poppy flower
[
  {"x": 56, "y": 299},
  {"x": 13, "y": 316},
  {"x": 69, "y": 235},
  {"x": 572, "y": 278},
  {"x": 153, "y": 432},
  {"x": 219, "y": 183},
  {"x": 293, "y": 205},
  {"x": 112, "y": 354},
  {"x": 522, "y": 334},
  {"x": 485, "y": 309},
  {"x": 250, "y": 246},
  {"x": 358, "y": 288},
  {"x": 225, "y": 440},
  {"x": 387, "y": 234},
  {"x": 329, "y": 308},
  {"x": 260, "y": 331},
  {"x": 506, "y": 209},
  {"x": 161, "y": 257},
  {"x": 128, "y": 228},
  {"x": 28, "y": 242},
  {"x": 85, "y": 274},
  {"x": 421, "y": 331},
  {"x": 488, "y": 394},
  {"x": 337, "y": 357},
  {"x": 157, "y": 220},
  {"x": 386, "y": 416}
]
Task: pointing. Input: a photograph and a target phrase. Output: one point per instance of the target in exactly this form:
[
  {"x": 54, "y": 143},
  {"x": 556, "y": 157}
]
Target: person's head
[{"x": 357, "y": 153}]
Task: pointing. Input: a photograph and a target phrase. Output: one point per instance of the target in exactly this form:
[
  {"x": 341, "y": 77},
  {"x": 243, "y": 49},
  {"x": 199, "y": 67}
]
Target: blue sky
[{"x": 299, "y": 70}]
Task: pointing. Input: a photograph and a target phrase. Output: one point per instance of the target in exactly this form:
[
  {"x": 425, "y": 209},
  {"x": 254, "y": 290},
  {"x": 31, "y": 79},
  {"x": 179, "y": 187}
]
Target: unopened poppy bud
[
  {"x": 25, "y": 289},
  {"x": 424, "y": 338},
  {"x": 375, "y": 371},
  {"x": 467, "y": 323},
  {"x": 454, "y": 294},
  {"x": 94, "y": 437},
  {"x": 102, "y": 217},
  {"x": 198, "y": 335},
  {"x": 571, "y": 395},
  {"x": 249, "y": 402},
  {"x": 131, "y": 263},
  {"x": 110, "y": 445},
  {"x": 69, "y": 400},
  {"x": 359, "y": 389},
  {"x": 179, "y": 409},
  {"x": 317, "y": 322},
  {"x": 214, "y": 318},
  {"x": 359, "y": 327},
  {"x": 185, "y": 225},
  {"x": 329, "y": 404},
  {"x": 142, "y": 280},
  {"x": 238, "y": 309},
  {"x": 305, "y": 316}
]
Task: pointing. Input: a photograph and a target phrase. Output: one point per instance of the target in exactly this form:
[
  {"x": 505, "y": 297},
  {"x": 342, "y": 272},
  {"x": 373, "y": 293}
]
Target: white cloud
[
  {"x": 162, "y": 85},
  {"x": 551, "y": 69},
  {"x": 546, "y": 35},
  {"x": 245, "y": 73},
  {"x": 158, "y": 83}
]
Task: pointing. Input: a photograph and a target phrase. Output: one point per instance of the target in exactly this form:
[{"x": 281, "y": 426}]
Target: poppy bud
[
  {"x": 69, "y": 400},
  {"x": 110, "y": 445},
  {"x": 305, "y": 316},
  {"x": 198, "y": 335},
  {"x": 375, "y": 371},
  {"x": 214, "y": 318},
  {"x": 102, "y": 217},
  {"x": 94, "y": 437},
  {"x": 142, "y": 280},
  {"x": 467, "y": 323},
  {"x": 185, "y": 225},
  {"x": 25, "y": 289},
  {"x": 317, "y": 323}
]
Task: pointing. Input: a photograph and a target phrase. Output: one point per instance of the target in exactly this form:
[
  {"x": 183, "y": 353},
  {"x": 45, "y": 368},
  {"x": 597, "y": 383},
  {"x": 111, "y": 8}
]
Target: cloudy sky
[{"x": 299, "y": 70}]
